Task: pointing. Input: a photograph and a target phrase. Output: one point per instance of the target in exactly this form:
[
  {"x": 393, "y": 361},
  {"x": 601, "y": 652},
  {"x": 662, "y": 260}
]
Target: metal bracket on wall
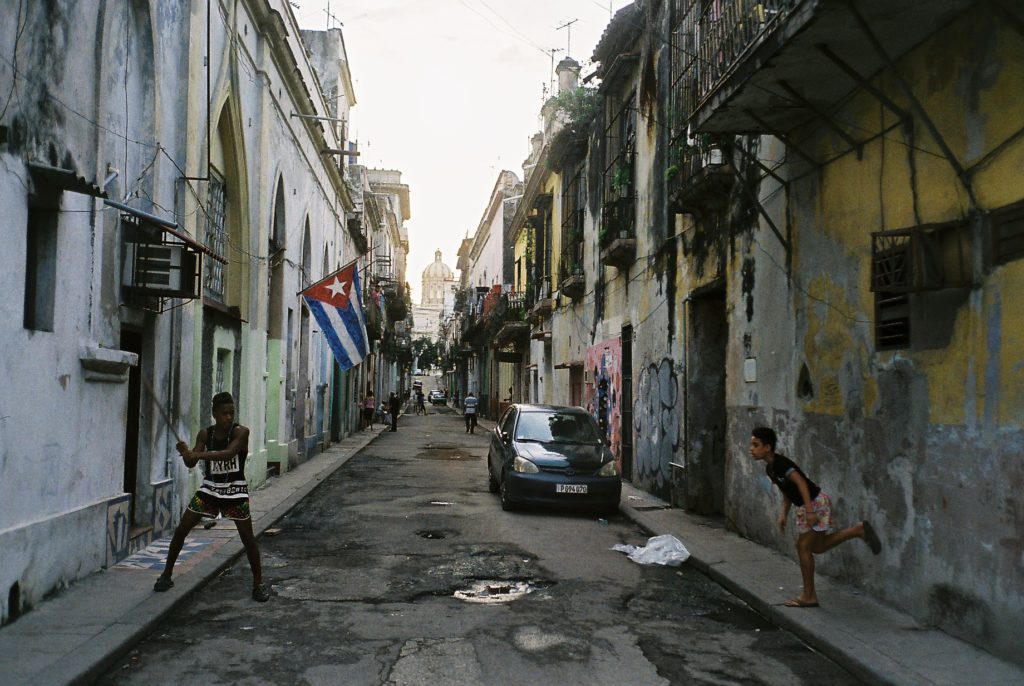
[
  {"x": 782, "y": 137},
  {"x": 862, "y": 82},
  {"x": 740, "y": 181},
  {"x": 853, "y": 143},
  {"x": 915, "y": 104}
]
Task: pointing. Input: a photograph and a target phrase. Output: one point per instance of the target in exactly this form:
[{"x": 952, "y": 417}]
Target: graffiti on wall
[
  {"x": 163, "y": 512},
  {"x": 604, "y": 363},
  {"x": 118, "y": 526},
  {"x": 656, "y": 423}
]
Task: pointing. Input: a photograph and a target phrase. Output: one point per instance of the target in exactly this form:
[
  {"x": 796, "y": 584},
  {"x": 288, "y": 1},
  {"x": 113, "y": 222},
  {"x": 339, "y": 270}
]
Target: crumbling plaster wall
[{"x": 924, "y": 441}]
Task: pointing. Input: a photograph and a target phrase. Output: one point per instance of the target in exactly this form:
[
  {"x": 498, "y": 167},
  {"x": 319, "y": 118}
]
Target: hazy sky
[{"x": 449, "y": 92}]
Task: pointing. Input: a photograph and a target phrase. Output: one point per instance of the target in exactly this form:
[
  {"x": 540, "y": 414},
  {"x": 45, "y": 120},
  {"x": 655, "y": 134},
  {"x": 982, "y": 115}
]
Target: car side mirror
[{"x": 506, "y": 437}]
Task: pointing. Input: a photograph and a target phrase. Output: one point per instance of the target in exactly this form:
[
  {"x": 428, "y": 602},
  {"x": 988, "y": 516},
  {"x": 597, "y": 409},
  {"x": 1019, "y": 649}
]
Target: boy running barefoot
[
  {"x": 814, "y": 522},
  {"x": 223, "y": 447}
]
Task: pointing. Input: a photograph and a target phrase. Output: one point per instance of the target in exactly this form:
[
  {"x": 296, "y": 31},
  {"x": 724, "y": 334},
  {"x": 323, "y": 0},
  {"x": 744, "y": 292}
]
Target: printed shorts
[
  {"x": 821, "y": 506},
  {"x": 228, "y": 509}
]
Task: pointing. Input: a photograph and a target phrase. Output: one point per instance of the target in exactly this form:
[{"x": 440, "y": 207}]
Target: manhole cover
[
  {"x": 427, "y": 533},
  {"x": 494, "y": 591}
]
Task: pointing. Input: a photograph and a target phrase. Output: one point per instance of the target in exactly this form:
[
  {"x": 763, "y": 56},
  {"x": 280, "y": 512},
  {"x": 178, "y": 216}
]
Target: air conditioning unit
[{"x": 164, "y": 270}]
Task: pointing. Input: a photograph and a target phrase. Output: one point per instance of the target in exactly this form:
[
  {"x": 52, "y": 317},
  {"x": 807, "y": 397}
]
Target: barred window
[{"x": 216, "y": 236}]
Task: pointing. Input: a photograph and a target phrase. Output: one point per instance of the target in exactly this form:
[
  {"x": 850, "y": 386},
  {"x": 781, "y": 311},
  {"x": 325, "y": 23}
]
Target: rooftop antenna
[
  {"x": 331, "y": 17},
  {"x": 552, "y": 52},
  {"x": 568, "y": 43}
]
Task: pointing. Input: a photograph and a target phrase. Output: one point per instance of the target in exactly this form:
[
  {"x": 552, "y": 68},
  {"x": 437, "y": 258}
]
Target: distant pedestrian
[
  {"x": 395, "y": 408},
  {"x": 814, "y": 524},
  {"x": 421, "y": 407},
  {"x": 223, "y": 447},
  {"x": 470, "y": 412},
  {"x": 369, "y": 409}
]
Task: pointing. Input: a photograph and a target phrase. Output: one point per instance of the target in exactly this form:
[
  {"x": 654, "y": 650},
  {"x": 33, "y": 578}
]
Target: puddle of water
[{"x": 494, "y": 591}]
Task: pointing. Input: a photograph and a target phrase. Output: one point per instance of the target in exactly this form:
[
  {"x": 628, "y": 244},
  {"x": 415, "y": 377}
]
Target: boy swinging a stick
[{"x": 223, "y": 448}]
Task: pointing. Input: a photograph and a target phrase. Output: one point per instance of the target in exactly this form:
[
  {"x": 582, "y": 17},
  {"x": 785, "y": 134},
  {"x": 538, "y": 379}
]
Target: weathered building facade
[
  {"x": 807, "y": 215},
  {"x": 173, "y": 181}
]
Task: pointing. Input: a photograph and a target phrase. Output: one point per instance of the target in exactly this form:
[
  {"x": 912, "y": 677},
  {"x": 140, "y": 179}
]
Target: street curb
[
  {"x": 113, "y": 642},
  {"x": 714, "y": 570}
]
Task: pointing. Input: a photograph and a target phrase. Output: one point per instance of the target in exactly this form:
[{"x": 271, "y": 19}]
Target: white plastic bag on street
[{"x": 665, "y": 549}]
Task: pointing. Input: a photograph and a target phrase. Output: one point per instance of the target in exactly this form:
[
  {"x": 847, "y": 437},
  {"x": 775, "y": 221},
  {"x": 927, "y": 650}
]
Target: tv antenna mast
[
  {"x": 568, "y": 27},
  {"x": 552, "y": 52},
  {"x": 331, "y": 17}
]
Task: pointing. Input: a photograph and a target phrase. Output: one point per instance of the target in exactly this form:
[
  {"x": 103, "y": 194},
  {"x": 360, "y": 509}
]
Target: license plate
[{"x": 570, "y": 488}]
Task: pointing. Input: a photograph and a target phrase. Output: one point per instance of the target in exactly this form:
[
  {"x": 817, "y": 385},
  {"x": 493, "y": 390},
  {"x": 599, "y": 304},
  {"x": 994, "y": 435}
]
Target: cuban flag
[{"x": 337, "y": 305}]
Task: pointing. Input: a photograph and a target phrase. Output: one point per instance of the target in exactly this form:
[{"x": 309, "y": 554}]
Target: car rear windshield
[{"x": 556, "y": 427}]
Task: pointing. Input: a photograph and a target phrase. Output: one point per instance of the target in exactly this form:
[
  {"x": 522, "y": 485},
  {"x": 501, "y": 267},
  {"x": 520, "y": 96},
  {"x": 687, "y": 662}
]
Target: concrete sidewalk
[
  {"x": 869, "y": 639},
  {"x": 82, "y": 632}
]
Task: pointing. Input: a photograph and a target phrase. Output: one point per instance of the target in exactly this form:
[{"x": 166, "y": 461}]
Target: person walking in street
[
  {"x": 223, "y": 447},
  {"x": 813, "y": 512},
  {"x": 369, "y": 409},
  {"x": 470, "y": 412},
  {"x": 395, "y": 408},
  {"x": 421, "y": 407}
]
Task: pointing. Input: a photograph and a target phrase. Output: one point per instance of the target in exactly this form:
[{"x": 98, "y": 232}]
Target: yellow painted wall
[{"x": 901, "y": 182}]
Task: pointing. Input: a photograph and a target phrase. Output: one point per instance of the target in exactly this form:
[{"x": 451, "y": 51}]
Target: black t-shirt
[{"x": 778, "y": 471}]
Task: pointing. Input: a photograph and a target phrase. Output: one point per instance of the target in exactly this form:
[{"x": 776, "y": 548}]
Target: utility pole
[{"x": 568, "y": 44}]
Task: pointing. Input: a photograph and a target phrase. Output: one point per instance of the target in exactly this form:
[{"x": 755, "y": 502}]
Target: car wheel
[
  {"x": 506, "y": 503},
  {"x": 492, "y": 484}
]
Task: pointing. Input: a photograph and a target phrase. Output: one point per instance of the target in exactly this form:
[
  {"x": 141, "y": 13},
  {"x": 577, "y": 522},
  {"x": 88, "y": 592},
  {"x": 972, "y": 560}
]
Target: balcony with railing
[
  {"x": 768, "y": 66},
  {"x": 700, "y": 174},
  {"x": 512, "y": 316},
  {"x": 543, "y": 302},
  {"x": 617, "y": 235},
  {"x": 573, "y": 282}
]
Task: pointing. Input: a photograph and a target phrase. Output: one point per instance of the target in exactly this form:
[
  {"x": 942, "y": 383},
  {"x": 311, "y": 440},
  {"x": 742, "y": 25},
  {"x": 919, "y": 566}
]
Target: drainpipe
[
  {"x": 686, "y": 390},
  {"x": 206, "y": 177}
]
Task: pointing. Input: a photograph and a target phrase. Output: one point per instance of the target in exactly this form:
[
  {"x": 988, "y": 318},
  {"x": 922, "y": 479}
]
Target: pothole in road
[
  {"x": 445, "y": 451},
  {"x": 430, "y": 533},
  {"x": 494, "y": 591}
]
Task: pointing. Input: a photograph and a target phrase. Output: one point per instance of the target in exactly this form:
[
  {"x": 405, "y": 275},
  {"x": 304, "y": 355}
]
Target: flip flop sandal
[{"x": 796, "y": 602}]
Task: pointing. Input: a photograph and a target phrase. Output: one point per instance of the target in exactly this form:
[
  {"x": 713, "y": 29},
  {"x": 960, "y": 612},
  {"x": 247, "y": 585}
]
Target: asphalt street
[{"x": 401, "y": 568}]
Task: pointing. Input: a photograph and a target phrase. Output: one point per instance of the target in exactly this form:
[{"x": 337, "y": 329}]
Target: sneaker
[
  {"x": 260, "y": 593},
  {"x": 164, "y": 583}
]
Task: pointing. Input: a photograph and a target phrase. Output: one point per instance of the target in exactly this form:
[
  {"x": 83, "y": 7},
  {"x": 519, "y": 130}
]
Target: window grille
[
  {"x": 216, "y": 236},
  {"x": 1008, "y": 234},
  {"x": 892, "y": 320}
]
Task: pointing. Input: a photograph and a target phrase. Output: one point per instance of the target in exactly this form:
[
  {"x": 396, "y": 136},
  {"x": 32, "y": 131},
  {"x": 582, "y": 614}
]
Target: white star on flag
[{"x": 338, "y": 286}]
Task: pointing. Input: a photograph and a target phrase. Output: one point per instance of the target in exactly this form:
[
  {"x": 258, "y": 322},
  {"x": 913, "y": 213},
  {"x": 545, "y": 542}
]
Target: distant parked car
[
  {"x": 437, "y": 398},
  {"x": 552, "y": 455}
]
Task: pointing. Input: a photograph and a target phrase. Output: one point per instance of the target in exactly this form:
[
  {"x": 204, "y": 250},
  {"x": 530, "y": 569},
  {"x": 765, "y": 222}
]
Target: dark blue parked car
[{"x": 552, "y": 455}]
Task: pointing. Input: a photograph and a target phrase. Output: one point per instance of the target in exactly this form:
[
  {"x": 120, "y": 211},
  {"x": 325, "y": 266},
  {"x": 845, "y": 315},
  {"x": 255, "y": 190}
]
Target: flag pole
[{"x": 334, "y": 273}]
